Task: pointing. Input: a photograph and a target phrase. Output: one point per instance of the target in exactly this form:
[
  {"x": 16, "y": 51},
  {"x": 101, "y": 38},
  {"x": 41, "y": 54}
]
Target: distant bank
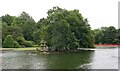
[
  {"x": 19, "y": 49},
  {"x": 107, "y": 44}
]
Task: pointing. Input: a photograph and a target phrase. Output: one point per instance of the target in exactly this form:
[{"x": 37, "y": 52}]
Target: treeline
[
  {"x": 107, "y": 35},
  {"x": 62, "y": 29}
]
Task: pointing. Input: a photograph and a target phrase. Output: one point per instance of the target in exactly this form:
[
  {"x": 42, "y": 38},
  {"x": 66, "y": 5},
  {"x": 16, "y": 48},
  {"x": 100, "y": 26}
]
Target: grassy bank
[
  {"x": 21, "y": 49},
  {"x": 34, "y": 48}
]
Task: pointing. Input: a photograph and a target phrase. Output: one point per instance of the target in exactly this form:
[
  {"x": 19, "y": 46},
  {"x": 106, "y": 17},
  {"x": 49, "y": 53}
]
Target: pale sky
[{"x": 98, "y": 12}]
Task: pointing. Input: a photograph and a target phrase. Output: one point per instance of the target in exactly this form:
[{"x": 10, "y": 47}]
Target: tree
[
  {"x": 98, "y": 36},
  {"x": 27, "y": 25},
  {"x": 7, "y": 19},
  {"x": 65, "y": 29},
  {"x": 107, "y": 35},
  {"x": 110, "y": 34},
  {"x": 10, "y": 30},
  {"x": 17, "y": 22},
  {"x": 36, "y": 36},
  {"x": 118, "y": 35},
  {"x": 8, "y": 42}
]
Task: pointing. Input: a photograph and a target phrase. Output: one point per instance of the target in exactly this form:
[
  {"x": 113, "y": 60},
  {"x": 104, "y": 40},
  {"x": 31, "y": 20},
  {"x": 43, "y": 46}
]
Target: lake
[{"x": 100, "y": 58}]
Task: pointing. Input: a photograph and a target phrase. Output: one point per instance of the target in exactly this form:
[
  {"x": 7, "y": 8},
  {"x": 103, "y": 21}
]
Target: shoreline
[
  {"x": 34, "y": 48},
  {"x": 107, "y": 44},
  {"x": 17, "y": 49}
]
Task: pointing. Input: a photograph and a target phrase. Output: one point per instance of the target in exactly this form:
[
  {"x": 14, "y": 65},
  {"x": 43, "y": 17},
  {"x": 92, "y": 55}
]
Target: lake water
[{"x": 100, "y": 58}]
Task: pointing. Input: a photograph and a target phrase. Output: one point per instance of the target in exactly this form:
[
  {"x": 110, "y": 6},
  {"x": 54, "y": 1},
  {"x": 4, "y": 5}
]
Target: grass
[
  {"x": 20, "y": 49},
  {"x": 25, "y": 48},
  {"x": 36, "y": 46}
]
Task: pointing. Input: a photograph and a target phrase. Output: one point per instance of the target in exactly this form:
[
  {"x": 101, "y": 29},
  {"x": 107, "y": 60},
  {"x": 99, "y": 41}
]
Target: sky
[{"x": 100, "y": 13}]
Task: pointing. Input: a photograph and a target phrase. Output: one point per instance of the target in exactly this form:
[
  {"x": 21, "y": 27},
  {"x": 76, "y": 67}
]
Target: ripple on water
[{"x": 101, "y": 58}]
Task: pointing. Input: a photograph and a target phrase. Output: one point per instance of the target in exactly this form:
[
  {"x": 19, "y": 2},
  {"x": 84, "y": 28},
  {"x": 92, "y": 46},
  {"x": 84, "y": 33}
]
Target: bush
[
  {"x": 20, "y": 40},
  {"x": 8, "y": 42},
  {"x": 28, "y": 44},
  {"x": 25, "y": 43},
  {"x": 0, "y": 42},
  {"x": 33, "y": 42},
  {"x": 16, "y": 44}
]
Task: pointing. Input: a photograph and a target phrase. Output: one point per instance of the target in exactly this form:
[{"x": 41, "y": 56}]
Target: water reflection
[
  {"x": 107, "y": 59},
  {"x": 20, "y": 60},
  {"x": 104, "y": 58},
  {"x": 68, "y": 60},
  {"x": 25, "y": 60},
  {"x": 101, "y": 58}
]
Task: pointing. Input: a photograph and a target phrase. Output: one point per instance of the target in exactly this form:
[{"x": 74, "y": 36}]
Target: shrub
[
  {"x": 8, "y": 42},
  {"x": 28, "y": 44},
  {"x": 16, "y": 44},
  {"x": 20, "y": 40},
  {"x": 24, "y": 43},
  {"x": 33, "y": 42},
  {"x": 0, "y": 42}
]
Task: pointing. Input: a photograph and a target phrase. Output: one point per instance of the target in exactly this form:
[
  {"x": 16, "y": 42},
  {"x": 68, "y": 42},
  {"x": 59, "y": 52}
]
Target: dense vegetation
[
  {"x": 107, "y": 35},
  {"x": 62, "y": 29}
]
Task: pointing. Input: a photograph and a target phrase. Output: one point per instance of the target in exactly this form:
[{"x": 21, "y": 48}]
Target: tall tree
[
  {"x": 67, "y": 29},
  {"x": 107, "y": 35},
  {"x": 10, "y": 30},
  {"x": 7, "y": 19},
  {"x": 27, "y": 24}
]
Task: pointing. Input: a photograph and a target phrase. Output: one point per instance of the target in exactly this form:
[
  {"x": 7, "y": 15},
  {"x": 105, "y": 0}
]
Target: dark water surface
[{"x": 100, "y": 58}]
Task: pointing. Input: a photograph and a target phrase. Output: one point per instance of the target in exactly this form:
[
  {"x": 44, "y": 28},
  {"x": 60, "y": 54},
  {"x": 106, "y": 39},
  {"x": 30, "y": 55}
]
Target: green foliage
[
  {"x": 4, "y": 24},
  {"x": 8, "y": 42},
  {"x": 64, "y": 29},
  {"x": 17, "y": 22},
  {"x": 7, "y": 19},
  {"x": 27, "y": 25},
  {"x": 107, "y": 35},
  {"x": 0, "y": 42},
  {"x": 118, "y": 35},
  {"x": 28, "y": 44},
  {"x": 13, "y": 31},
  {"x": 36, "y": 36},
  {"x": 20, "y": 40},
  {"x": 33, "y": 42},
  {"x": 16, "y": 44}
]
